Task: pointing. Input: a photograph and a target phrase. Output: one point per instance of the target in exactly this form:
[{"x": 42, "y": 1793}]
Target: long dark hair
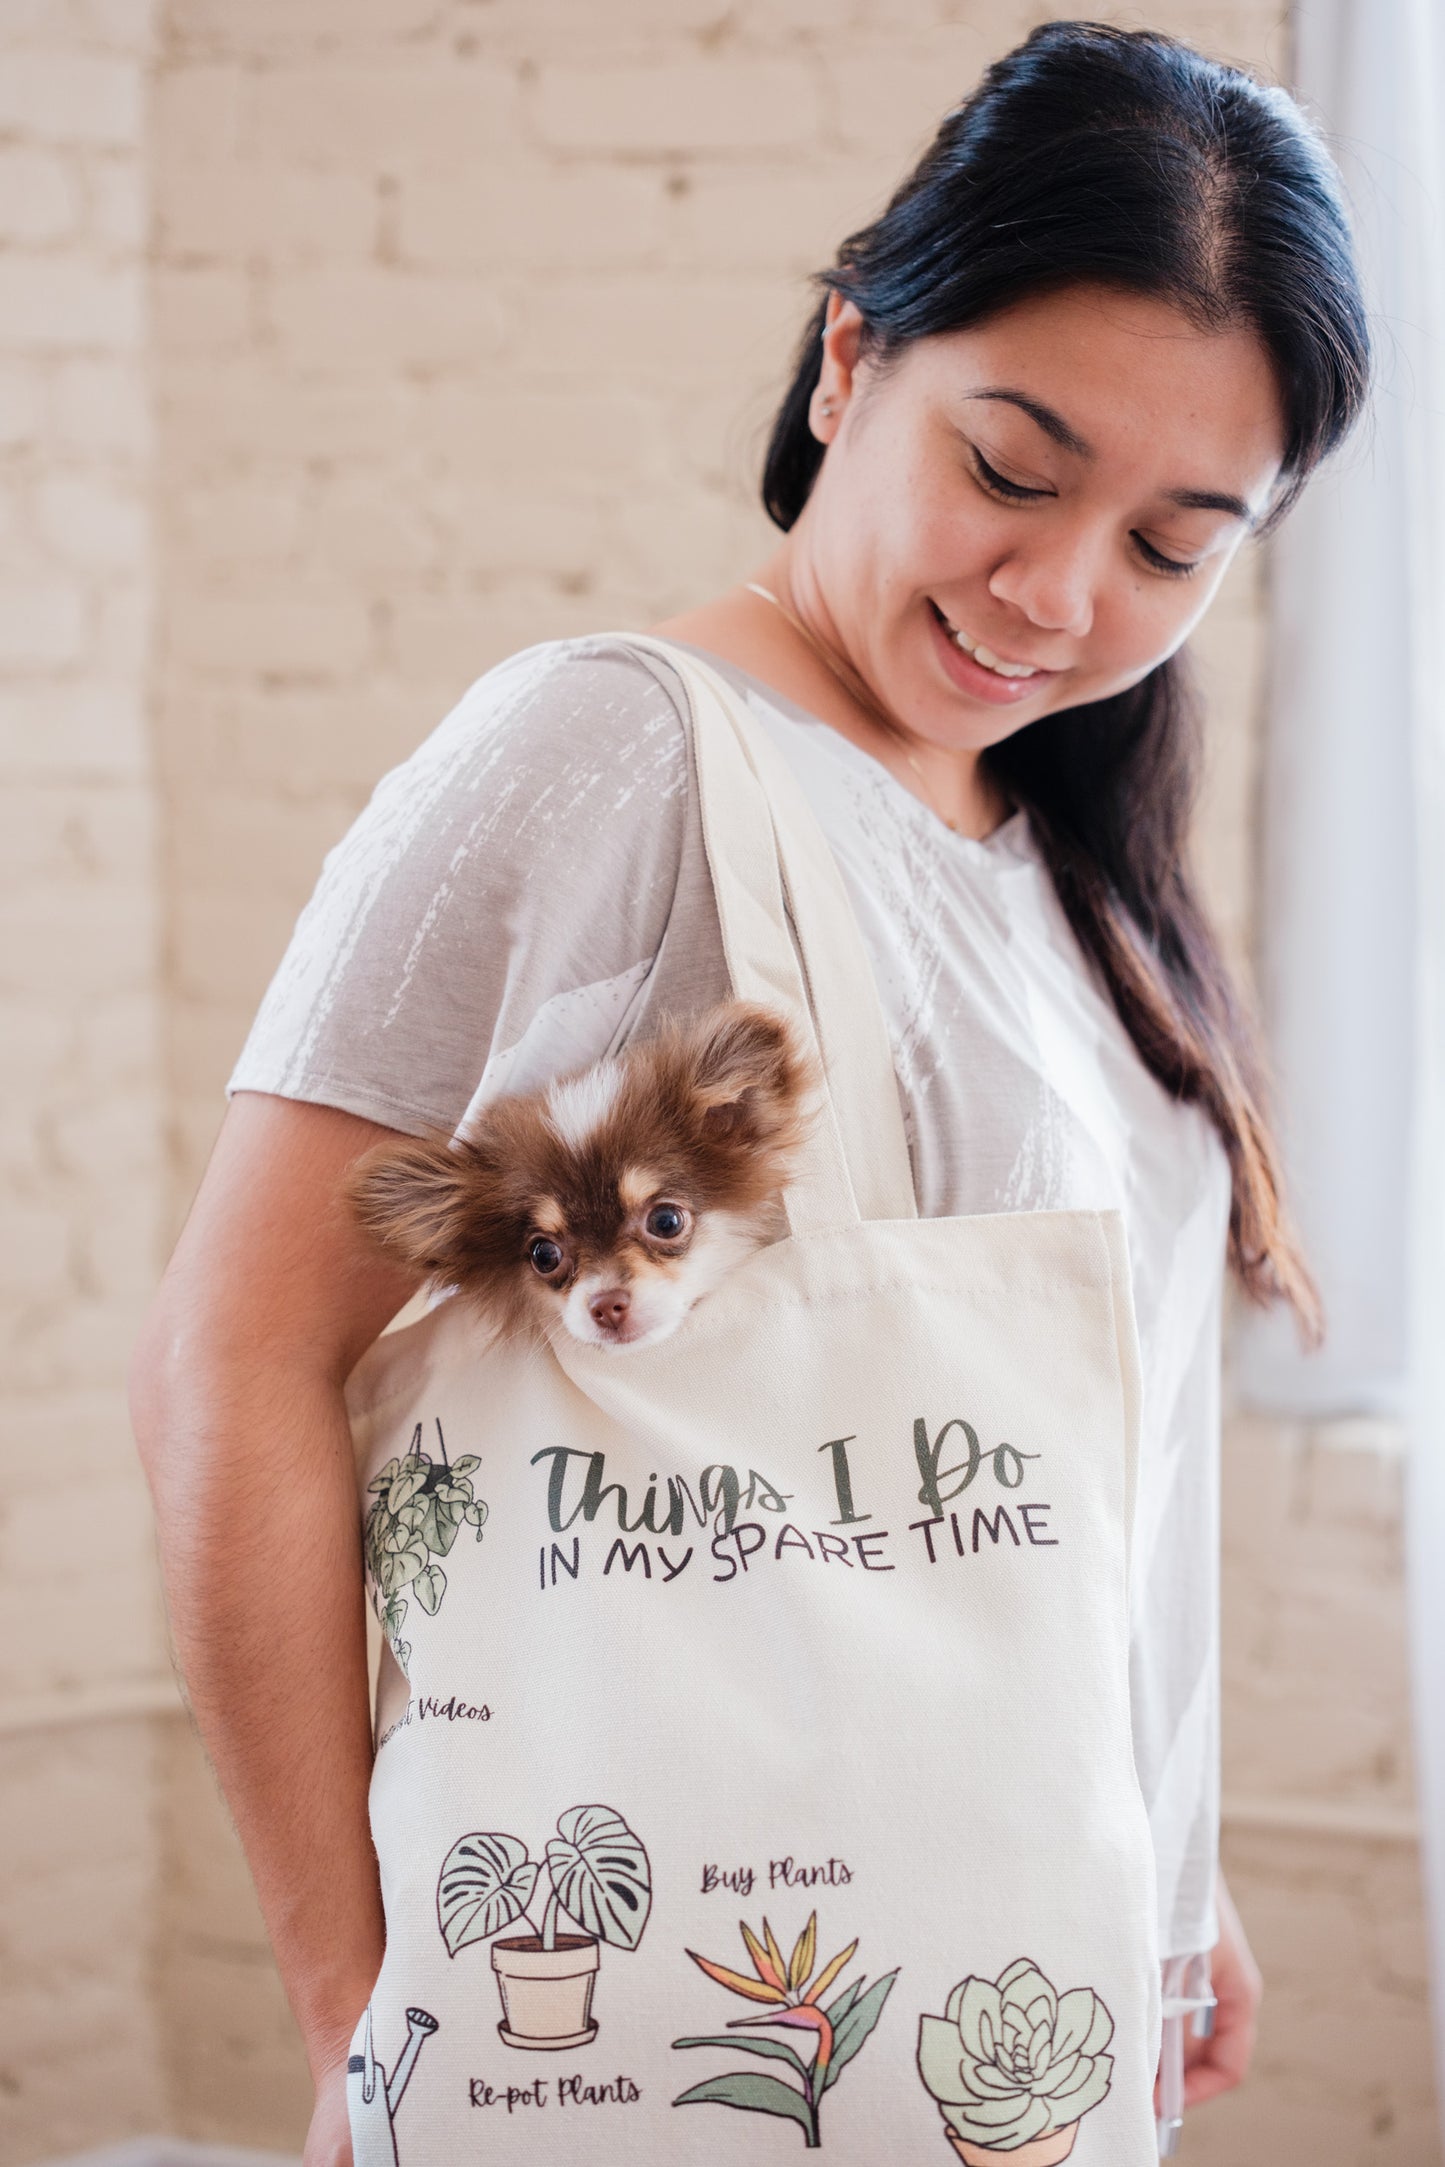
[{"x": 1125, "y": 158}]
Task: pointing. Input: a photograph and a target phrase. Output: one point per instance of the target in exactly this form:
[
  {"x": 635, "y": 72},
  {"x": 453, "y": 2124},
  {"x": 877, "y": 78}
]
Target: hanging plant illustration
[
  {"x": 421, "y": 1505},
  {"x": 794, "y": 2001},
  {"x": 598, "y": 1876},
  {"x": 1013, "y": 2065}
]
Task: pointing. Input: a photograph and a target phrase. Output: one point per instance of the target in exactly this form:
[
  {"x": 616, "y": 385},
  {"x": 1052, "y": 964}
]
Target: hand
[
  {"x": 328, "y": 2139},
  {"x": 1220, "y": 2062}
]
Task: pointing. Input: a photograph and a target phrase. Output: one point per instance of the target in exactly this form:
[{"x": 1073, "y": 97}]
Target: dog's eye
[
  {"x": 667, "y": 1221},
  {"x": 545, "y": 1255}
]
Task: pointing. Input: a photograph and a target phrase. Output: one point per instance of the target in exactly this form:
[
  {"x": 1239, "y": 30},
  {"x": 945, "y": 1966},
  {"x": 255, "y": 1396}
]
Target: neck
[{"x": 948, "y": 780}]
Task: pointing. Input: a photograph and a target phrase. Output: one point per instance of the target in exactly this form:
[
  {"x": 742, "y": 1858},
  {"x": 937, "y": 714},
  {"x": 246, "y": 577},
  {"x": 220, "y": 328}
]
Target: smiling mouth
[{"x": 985, "y": 656}]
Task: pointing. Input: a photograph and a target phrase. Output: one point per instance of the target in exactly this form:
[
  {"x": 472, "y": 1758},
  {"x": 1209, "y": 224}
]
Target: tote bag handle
[{"x": 763, "y": 843}]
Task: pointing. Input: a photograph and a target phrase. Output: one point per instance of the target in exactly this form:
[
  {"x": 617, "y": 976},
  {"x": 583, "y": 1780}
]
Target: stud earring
[{"x": 825, "y": 406}]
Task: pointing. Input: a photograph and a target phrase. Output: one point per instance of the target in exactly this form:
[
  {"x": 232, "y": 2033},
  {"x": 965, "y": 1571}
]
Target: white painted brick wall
[{"x": 80, "y": 1157}]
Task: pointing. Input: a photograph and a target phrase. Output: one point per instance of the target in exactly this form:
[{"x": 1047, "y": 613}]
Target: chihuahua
[{"x": 612, "y": 1200}]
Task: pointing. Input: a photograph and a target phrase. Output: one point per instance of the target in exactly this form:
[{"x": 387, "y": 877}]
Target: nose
[
  {"x": 1051, "y": 584},
  {"x": 610, "y": 1307}
]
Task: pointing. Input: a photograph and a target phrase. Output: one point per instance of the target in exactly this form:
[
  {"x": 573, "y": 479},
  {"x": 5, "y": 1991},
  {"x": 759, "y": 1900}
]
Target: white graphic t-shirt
[{"x": 530, "y": 890}]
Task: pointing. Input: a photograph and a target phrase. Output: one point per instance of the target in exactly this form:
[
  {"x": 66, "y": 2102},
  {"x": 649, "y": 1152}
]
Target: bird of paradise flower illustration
[{"x": 793, "y": 1999}]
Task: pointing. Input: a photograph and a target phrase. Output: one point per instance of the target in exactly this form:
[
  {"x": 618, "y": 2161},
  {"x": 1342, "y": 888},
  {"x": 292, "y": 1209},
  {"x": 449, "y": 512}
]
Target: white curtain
[
  {"x": 1423, "y": 301},
  {"x": 1353, "y": 895}
]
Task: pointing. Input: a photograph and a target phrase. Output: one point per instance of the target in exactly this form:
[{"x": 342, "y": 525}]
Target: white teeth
[
  {"x": 987, "y": 658},
  {"x": 990, "y": 661}
]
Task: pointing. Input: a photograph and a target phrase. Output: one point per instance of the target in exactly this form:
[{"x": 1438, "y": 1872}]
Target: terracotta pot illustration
[
  {"x": 1043, "y": 2152},
  {"x": 547, "y": 1993},
  {"x": 597, "y": 1875}
]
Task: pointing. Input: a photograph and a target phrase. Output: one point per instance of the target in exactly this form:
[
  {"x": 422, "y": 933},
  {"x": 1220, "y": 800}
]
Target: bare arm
[{"x": 268, "y": 1302}]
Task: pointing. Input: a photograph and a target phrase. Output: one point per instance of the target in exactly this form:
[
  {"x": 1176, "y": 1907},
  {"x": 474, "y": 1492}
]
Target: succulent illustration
[
  {"x": 421, "y": 1505},
  {"x": 793, "y": 1999},
  {"x": 1013, "y": 2060}
]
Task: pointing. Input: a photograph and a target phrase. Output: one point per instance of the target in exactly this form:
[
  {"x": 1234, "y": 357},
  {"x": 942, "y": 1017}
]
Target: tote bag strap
[{"x": 763, "y": 843}]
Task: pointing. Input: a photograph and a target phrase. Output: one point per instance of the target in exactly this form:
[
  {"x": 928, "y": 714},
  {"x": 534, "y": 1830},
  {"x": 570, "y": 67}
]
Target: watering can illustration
[{"x": 372, "y": 2097}]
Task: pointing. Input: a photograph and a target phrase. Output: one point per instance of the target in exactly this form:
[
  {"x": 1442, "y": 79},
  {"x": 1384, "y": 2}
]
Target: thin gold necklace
[{"x": 856, "y": 690}]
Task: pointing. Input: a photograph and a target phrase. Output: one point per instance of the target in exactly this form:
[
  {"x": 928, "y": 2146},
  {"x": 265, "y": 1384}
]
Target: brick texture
[
  {"x": 345, "y": 347},
  {"x": 82, "y": 1193}
]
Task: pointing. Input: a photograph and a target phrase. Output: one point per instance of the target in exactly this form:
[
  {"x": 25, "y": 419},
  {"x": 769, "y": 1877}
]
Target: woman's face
[{"x": 1061, "y": 487}]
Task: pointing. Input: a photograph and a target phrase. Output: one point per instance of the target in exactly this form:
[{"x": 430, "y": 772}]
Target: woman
[{"x": 1105, "y": 330}]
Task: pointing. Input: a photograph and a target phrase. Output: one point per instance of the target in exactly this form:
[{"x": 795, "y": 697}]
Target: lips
[
  {"x": 975, "y": 679},
  {"x": 1009, "y": 667}
]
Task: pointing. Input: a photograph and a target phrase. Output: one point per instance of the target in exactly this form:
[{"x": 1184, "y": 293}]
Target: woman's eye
[
  {"x": 1014, "y": 492},
  {"x": 1172, "y": 565},
  {"x": 666, "y": 1221},
  {"x": 545, "y": 1255},
  {"x": 998, "y": 483}
]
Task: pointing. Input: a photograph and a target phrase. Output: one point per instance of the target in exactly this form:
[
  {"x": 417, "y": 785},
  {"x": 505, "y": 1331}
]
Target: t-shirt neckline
[{"x": 1011, "y": 839}]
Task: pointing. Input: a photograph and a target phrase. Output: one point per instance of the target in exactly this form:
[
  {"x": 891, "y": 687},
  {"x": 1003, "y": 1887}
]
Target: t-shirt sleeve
[{"x": 495, "y": 916}]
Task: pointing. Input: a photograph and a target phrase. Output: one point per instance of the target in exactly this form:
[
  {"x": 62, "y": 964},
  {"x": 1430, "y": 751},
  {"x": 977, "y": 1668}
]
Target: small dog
[{"x": 612, "y": 1200}]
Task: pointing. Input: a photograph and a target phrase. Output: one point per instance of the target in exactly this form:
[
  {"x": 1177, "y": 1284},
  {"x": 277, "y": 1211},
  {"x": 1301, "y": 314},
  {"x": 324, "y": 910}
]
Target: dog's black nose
[{"x": 610, "y": 1307}]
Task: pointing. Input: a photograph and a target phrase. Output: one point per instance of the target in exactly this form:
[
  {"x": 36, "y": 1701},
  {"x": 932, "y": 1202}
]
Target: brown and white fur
[{"x": 612, "y": 1200}]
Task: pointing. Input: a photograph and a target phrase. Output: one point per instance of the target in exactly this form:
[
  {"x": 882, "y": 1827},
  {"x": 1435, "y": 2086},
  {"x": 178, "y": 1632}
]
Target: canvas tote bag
[{"x": 753, "y": 1766}]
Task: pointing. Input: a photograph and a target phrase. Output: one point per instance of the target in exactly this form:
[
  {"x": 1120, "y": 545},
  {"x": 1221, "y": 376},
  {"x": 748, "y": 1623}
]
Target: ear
[
  {"x": 842, "y": 349},
  {"x": 747, "y": 1067},
  {"x": 412, "y": 1199}
]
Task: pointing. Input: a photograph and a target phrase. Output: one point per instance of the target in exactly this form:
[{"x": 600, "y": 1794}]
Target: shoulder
[
  {"x": 561, "y": 747},
  {"x": 592, "y": 700},
  {"x": 530, "y": 851}
]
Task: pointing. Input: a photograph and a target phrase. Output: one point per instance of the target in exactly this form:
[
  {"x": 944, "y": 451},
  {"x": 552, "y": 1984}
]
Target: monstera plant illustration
[
  {"x": 792, "y": 1997},
  {"x": 421, "y": 1506},
  {"x": 1013, "y": 2064},
  {"x": 598, "y": 1876}
]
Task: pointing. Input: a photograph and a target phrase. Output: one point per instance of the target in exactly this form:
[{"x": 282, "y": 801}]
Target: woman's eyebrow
[
  {"x": 1054, "y": 425},
  {"x": 1212, "y": 500}
]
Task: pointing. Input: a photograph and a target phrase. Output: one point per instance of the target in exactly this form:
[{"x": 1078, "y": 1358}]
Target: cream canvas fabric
[{"x": 754, "y": 1768}]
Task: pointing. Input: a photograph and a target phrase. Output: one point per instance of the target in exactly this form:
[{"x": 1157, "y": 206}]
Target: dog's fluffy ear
[
  {"x": 749, "y": 1069},
  {"x": 411, "y": 1198}
]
